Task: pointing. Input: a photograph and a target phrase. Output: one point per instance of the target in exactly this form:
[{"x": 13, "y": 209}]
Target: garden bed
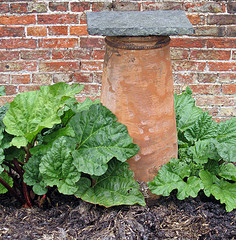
[{"x": 67, "y": 217}]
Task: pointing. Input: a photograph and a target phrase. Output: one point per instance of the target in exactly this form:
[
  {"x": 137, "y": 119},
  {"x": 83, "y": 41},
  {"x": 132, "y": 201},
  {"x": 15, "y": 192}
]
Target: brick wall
[{"x": 44, "y": 42}]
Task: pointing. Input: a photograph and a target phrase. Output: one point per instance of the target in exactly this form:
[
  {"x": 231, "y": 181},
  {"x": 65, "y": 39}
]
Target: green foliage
[
  {"x": 51, "y": 140},
  {"x": 206, "y": 155}
]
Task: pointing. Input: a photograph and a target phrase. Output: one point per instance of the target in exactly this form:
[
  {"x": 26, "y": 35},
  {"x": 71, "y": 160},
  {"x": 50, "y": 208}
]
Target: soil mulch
[{"x": 67, "y": 217}]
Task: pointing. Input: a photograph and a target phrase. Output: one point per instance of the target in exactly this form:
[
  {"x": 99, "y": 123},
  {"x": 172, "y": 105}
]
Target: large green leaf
[
  {"x": 57, "y": 169},
  {"x": 220, "y": 189},
  {"x": 7, "y": 179},
  {"x": 228, "y": 171},
  {"x": 99, "y": 138},
  {"x": 172, "y": 176},
  {"x": 115, "y": 187},
  {"x": 31, "y": 112}
]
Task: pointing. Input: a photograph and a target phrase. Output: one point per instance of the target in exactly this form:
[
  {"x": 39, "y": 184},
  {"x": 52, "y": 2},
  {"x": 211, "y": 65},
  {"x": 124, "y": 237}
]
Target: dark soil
[{"x": 70, "y": 218}]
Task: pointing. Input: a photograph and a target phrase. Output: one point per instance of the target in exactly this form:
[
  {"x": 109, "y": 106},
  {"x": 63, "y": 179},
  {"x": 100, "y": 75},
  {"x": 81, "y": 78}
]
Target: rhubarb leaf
[
  {"x": 4, "y": 176},
  {"x": 228, "y": 171},
  {"x": 115, "y": 187}
]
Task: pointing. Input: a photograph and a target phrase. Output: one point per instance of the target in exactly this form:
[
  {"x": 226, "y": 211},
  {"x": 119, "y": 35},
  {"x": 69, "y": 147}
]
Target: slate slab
[{"x": 136, "y": 23}]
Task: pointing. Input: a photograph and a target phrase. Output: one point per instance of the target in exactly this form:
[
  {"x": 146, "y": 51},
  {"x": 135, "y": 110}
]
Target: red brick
[
  {"x": 35, "y": 55},
  {"x": 125, "y": 6},
  {"x": 58, "y": 66},
  {"x": 215, "y": 31},
  {"x": 100, "y": 6},
  {"x": 227, "y": 77},
  {"x": 80, "y": 6},
  {"x": 37, "y": 31},
  {"x": 12, "y": 32},
  {"x": 4, "y": 8},
  {"x": 190, "y": 78},
  {"x": 179, "y": 54},
  {"x": 62, "y": 77},
  {"x": 17, "y": 20},
  {"x": 97, "y": 77},
  {"x": 221, "y": 19},
  {"x": 222, "y": 66},
  {"x": 91, "y": 66},
  {"x": 83, "y": 77},
  {"x": 78, "y": 30},
  {"x": 83, "y": 18},
  {"x": 221, "y": 43},
  {"x": 196, "y": 19},
  {"x": 207, "y": 77},
  {"x": 206, "y": 89},
  {"x": 5, "y": 99},
  {"x": 234, "y": 55},
  {"x": 98, "y": 54},
  {"x": 188, "y": 42},
  {"x": 229, "y": 89},
  {"x": 58, "y": 43},
  {"x": 27, "y": 88},
  {"x": 18, "y": 7},
  {"x": 188, "y": 66},
  {"x": 151, "y": 6},
  {"x": 42, "y": 78},
  {"x": 20, "y": 79},
  {"x": 210, "y": 55},
  {"x": 18, "y": 43},
  {"x": 58, "y": 19},
  {"x": 211, "y": 100},
  {"x": 71, "y": 54},
  {"x": 9, "y": 55},
  {"x": 17, "y": 66},
  {"x": 88, "y": 42},
  {"x": 83, "y": 98},
  {"x": 213, "y": 111},
  {"x": 204, "y": 7},
  {"x": 4, "y": 78},
  {"x": 58, "y": 30},
  {"x": 58, "y": 6},
  {"x": 91, "y": 89},
  {"x": 10, "y": 89}
]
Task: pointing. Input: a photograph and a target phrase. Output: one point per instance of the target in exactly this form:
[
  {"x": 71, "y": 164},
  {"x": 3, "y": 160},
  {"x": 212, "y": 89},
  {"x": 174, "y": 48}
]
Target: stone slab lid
[{"x": 135, "y": 23}]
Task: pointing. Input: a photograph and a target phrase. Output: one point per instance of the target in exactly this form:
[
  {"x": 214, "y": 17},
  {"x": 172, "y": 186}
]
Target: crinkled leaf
[
  {"x": 220, "y": 189},
  {"x": 228, "y": 171},
  {"x": 32, "y": 176},
  {"x": 31, "y": 112},
  {"x": 99, "y": 138},
  {"x": 115, "y": 187},
  {"x": 8, "y": 180},
  {"x": 57, "y": 169},
  {"x": 86, "y": 104},
  {"x": 171, "y": 176}
]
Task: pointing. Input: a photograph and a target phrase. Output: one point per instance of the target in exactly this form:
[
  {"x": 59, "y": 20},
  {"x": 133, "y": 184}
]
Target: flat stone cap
[{"x": 135, "y": 23}]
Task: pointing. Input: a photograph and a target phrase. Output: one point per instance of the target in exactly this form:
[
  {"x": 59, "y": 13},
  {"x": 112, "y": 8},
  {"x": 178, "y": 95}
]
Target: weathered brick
[
  {"x": 188, "y": 42},
  {"x": 20, "y": 79},
  {"x": 210, "y": 54},
  {"x": 17, "y": 66},
  {"x": 91, "y": 66},
  {"x": 229, "y": 89},
  {"x": 58, "y": 19},
  {"x": 151, "y": 6},
  {"x": 58, "y": 66},
  {"x": 9, "y": 55},
  {"x": 17, "y": 20},
  {"x": 5, "y": 99},
  {"x": 206, "y": 89},
  {"x": 207, "y": 77},
  {"x": 83, "y": 77},
  {"x": 4, "y": 8},
  {"x": 12, "y": 31},
  {"x": 92, "y": 42},
  {"x": 231, "y": 31},
  {"x": 18, "y": 43},
  {"x": 214, "y": 31},
  {"x": 221, "y": 43},
  {"x": 221, "y": 19},
  {"x": 57, "y": 30},
  {"x": 27, "y": 88},
  {"x": 59, "y": 6},
  {"x": 42, "y": 78},
  {"x": 101, "y": 6},
  {"x": 188, "y": 66},
  {"x": 71, "y": 54},
  {"x": 231, "y": 7},
  {"x": 80, "y": 6},
  {"x": 37, "y": 31},
  {"x": 78, "y": 30},
  {"x": 211, "y": 100},
  {"x": 204, "y": 7},
  {"x": 35, "y": 55},
  {"x": 125, "y": 6},
  {"x": 37, "y": 7},
  {"x": 228, "y": 112},
  {"x": 222, "y": 66},
  {"x": 227, "y": 77},
  {"x": 234, "y": 55},
  {"x": 97, "y": 77},
  {"x": 10, "y": 89},
  {"x": 196, "y": 19},
  {"x": 179, "y": 54},
  {"x": 213, "y": 111},
  {"x": 191, "y": 78},
  {"x": 98, "y": 54},
  {"x": 58, "y": 43},
  {"x": 18, "y": 8},
  {"x": 62, "y": 77},
  {"x": 4, "y": 78},
  {"x": 91, "y": 89}
]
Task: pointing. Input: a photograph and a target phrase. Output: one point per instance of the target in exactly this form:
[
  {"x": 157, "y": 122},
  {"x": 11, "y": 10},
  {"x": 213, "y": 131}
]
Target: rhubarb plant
[
  {"x": 49, "y": 140},
  {"x": 206, "y": 156}
]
